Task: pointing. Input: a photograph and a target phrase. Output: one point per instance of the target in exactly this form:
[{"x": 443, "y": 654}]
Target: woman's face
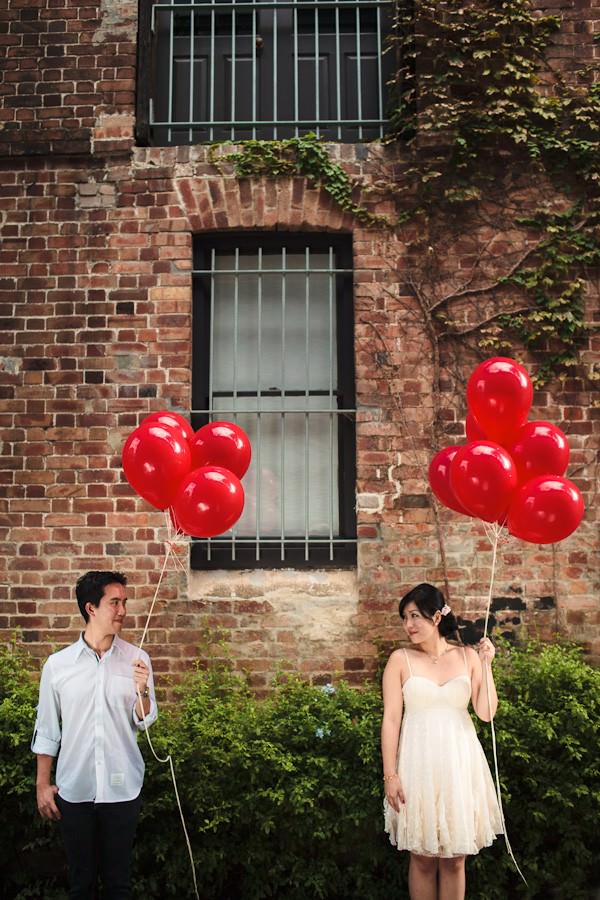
[{"x": 417, "y": 626}]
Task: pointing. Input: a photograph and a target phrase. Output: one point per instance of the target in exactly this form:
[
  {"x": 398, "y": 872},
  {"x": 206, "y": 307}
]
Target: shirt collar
[
  {"x": 81, "y": 646},
  {"x": 117, "y": 645}
]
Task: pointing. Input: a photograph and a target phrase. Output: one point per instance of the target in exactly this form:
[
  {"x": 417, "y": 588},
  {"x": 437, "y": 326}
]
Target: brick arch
[{"x": 225, "y": 202}]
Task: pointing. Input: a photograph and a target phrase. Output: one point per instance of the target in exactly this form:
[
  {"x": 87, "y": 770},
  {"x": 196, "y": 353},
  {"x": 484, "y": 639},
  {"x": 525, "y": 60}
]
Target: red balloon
[
  {"x": 483, "y": 478},
  {"x": 180, "y": 425},
  {"x": 439, "y": 479},
  {"x": 155, "y": 460},
  {"x": 499, "y": 394},
  {"x": 540, "y": 449},
  {"x": 545, "y": 510},
  {"x": 209, "y": 502},
  {"x": 473, "y": 429},
  {"x": 221, "y": 444}
]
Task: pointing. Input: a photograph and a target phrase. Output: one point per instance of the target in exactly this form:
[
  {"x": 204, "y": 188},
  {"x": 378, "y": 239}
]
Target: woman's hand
[
  {"x": 394, "y": 792},
  {"x": 483, "y": 689},
  {"x": 486, "y": 650}
]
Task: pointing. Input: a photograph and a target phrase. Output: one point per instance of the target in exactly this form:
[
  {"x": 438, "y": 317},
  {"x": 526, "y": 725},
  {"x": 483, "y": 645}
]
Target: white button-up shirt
[{"x": 86, "y": 715}]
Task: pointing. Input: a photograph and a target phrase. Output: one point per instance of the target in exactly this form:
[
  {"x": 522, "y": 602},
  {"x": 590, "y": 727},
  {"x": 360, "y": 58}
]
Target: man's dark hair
[{"x": 91, "y": 586}]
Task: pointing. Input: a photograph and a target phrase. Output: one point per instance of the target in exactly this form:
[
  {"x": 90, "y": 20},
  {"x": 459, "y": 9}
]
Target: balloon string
[
  {"x": 494, "y": 533},
  {"x": 174, "y": 539},
  {"x": 170, "y": 544},
  {"x": 166, "y": 559}
]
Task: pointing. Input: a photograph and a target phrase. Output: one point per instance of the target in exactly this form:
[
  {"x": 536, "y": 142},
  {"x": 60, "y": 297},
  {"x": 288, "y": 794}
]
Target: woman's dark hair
[
  {"x": 91, "y": 586},
  {"x": 429, "y": 600}
]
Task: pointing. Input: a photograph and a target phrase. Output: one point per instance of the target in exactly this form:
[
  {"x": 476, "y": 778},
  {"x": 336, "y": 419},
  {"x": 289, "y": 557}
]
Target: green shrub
[
  {"x": 282, "y": 796},
  {"x": 31, "y": 857},
  {"x": 547, "y": 730}
]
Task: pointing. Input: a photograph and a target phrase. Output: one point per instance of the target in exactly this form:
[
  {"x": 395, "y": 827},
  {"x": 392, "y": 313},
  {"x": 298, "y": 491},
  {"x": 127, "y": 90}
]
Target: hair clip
[{"x": 445, "y": 609}]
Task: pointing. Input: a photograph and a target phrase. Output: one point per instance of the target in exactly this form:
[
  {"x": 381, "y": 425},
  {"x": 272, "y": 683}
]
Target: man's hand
[
  {"x": 45, "y": 801},
  {"x": 140, "y": 675}
]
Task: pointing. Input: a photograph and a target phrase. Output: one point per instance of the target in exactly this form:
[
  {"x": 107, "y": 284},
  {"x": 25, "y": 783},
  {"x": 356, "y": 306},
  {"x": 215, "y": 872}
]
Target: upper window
[
  {"x": 273, "y": 352},
  {"x": 262, "y": 69}
]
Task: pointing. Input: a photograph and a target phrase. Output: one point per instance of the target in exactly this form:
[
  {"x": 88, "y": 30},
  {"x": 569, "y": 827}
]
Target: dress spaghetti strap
[
  {"x": 408, "y": 662},
  {"x": 465, "y": 659}
]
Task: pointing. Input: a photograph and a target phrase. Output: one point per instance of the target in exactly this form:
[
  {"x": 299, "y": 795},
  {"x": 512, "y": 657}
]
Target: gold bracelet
[{"x": 389, "y": 777}]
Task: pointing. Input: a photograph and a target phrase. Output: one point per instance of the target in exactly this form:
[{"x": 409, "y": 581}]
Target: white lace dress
[{"x": 451, "y": 807}]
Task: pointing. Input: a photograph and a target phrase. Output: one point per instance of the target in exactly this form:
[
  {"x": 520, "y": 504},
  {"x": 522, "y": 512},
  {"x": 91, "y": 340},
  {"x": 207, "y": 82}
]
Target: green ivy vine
[
  {"x": 475, "y": 101},
  {"x": 306, "y": 156}
]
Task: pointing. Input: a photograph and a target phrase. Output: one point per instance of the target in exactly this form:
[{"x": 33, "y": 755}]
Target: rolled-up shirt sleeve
[
  {"x": 47, "y": 731},
  {"x": 152, "y": 716}
]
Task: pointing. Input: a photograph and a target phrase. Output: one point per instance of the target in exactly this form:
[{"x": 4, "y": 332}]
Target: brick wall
[{"x": 95, "y": 302}]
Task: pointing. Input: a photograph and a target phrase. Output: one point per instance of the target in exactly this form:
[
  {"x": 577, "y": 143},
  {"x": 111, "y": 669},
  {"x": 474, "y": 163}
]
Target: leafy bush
[
  {"x": 31, "y": 857},
  {"x": 282, "y": 796},
  {"x": 547, "y": 731}
]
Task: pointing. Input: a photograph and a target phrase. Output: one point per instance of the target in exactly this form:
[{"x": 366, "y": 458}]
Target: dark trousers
[{"x": 98, "y": 839}]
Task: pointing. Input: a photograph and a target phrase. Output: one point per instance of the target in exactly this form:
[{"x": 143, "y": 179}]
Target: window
[
  {"x": 262, "y": 69},
  {"x": 273, "y": 352}
]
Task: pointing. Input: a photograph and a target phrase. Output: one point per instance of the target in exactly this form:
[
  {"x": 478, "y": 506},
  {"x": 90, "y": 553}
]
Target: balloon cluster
[
  {"x": 511, "y": 471},
  {"x": 195, "y": 475}
]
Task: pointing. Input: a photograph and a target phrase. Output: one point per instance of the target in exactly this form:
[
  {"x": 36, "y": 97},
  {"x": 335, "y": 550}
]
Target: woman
[{"x": 440, "y": 802}]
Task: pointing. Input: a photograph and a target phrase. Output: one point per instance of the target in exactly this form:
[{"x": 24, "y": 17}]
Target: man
[{"x": 95, "y": 695}]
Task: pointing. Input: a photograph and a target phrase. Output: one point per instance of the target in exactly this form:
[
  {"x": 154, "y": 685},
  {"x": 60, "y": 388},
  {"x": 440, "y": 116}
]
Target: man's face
[{"x": 108, "y": 616}]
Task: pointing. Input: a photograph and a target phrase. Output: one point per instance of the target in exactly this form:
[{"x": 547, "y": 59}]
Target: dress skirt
[{"x": 451, "y": 807}]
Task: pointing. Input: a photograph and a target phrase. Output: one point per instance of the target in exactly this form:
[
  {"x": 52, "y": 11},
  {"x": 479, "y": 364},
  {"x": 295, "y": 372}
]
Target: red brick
[{"x": 86, "y": 287}]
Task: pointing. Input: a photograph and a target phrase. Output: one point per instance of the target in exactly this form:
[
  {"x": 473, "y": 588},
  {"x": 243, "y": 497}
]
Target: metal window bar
[
  {"x": 243, "y": 405},
  {"x": 171, "y": 74},
  {"x": 296, "y": 71},
  {"x": 338, "y": 78},
  {"x": 380, "y": 73},
  {"x": 275, "y": 84},
  {"x": 236, "y": 307},
  {"x": 191, "y": 80},
  {"x": 259, "y": 323},
  {"x": 317, "y": 72},
  {"x": 192, "y": 107},
  {"x": 331, "y": 367},
  {"x": 359, "y": 84},
  {"x": 212, "y": 70},
  {"x": 306, "y": 399},
  {"x": 282, "y": 419},
  {"x": 233, "y": 67}
]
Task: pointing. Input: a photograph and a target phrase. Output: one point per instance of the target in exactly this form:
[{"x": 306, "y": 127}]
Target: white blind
[{"x": 273, "y": 364}]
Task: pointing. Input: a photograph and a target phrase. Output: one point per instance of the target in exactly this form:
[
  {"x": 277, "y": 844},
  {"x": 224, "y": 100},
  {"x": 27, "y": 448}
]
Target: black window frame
[{"x": 223, "y": 552}]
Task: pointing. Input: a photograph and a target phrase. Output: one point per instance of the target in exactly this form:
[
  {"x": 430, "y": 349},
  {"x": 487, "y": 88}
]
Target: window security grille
[
  {"x": 263, "y": 69},
  {"x": 273, "y": 352}
]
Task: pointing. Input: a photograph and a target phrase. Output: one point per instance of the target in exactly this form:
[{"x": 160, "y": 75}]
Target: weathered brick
[{"x": 96, "y": 333}]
